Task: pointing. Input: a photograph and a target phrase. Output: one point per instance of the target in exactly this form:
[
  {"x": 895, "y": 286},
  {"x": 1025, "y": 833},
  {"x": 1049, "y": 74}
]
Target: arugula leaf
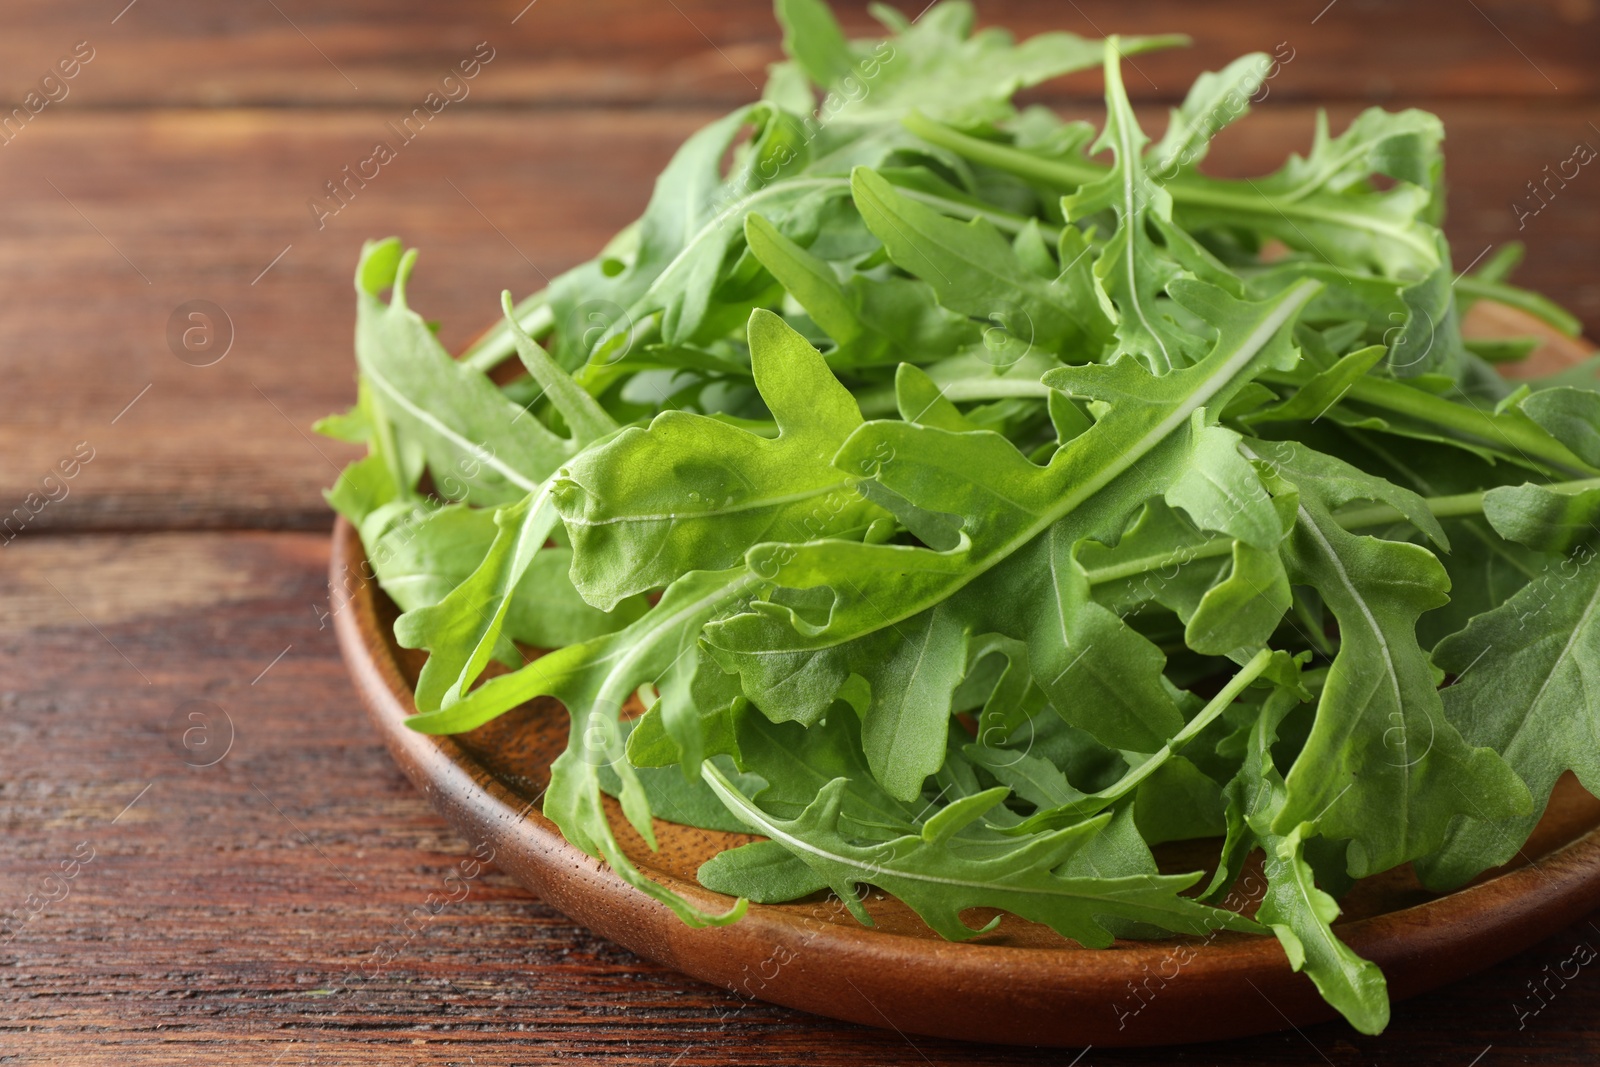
[
  {"x": 1298, "y": 912},
  {"x": 1572, "y": 416},
  {"x": 1215, "y": 100},
  {"x": 458, "y": 633},
  {"x": 688, "y": 801},
  {"x": 476, "y": 445},
  {"x": 795, "y": 762},
  {"x": 974, "y": 270},
  {"x": 594, "y": 680},
  {"x": 420, "y": 555},
  {"x": 1313, "y": 206},
  {"x": 935, "y": 63},
  {"x": 1131, "y": 268},
  {"x": 1524, "y": 686},
  {"x": 762, "y": 871},
  {"x": 1544, "y": 518},
  {"x": 1071, "y": 809},
  {"x": 939, "y": 878},
  {"x": 692, "y": 492},
  {"x": 1381, "y": 742},
  {"x": 872, "y": 320},
  {"x": 361, "y": 489}
]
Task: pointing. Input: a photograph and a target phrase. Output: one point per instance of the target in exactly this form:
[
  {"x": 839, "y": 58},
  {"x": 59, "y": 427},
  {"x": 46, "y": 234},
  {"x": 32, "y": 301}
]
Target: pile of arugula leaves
[{"x": 974, "y": 500}]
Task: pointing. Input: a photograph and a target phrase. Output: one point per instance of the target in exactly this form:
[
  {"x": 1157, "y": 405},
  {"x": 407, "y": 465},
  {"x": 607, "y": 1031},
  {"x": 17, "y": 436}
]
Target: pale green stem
[
  {"x": 1069, "y": 174},
  {"x": 1461, "y": 505}
]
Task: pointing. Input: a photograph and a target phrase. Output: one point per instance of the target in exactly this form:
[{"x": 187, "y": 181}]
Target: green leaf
[
  {"x": 935, "y": 63},
  {"x": 1301, "y": 915},
  {"x": 420, "y": 555},
  {"x": 813, "y": 39},
  {"x": 687, "y": 802},
  {"x": 1297, "y": 911},
  {"x": 594, "y": 680},
  {"x": 1309, "y": 207},
  {"x": 872, "y": 320},
  {"x": 1143, "y": 767},
  {"x": 1381, "y": 743},
  {"x": 1221, "y": 491},
  {"x": 1011, "y": 697},
  {"x": 939, "y": 878},
  {"x": 1525, "y": 686},
  {"x": 693, "y": 225},
  {"x": 1214, "y": 100},
  {"x": 480, "y": 446},
  {"x": 762, "y": 871},
  {"x": 795, "y": 762},
  {"x": 362, "y": 488},
  {"x": 1131, "y": 269},
  {"x": 463, "y": 630},
  {"x": 1571, "y": 416},
  {"x": 691, "y": 492},
  {"x": 583, "y": 415},
  {"x": 1242, "y": 610},
  {"x": 809, "y": 279},
  {"x": 1401, "y": 145},
  {"x": 1322, "y": 391},
  {"x": 1178, "y": 802},
  {"x": 1544, "y": 519},
  {"x": 974, "y": 270},
  {"x": 912, "y": 688}
]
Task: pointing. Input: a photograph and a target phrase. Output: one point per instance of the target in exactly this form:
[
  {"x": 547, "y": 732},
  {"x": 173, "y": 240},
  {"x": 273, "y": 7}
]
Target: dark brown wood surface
[{"x": 223, "y": 903}]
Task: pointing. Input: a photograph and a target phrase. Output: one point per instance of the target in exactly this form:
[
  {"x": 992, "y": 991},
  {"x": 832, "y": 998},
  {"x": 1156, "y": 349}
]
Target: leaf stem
[
  {"x": 534, "y": 313},
  {"x": 1461, "y": 505},
  {"x": 497, "y": 343},
  {"x": 1185, "y": 189},
  {"x": 1525, "y": 439},
  {"x": 1540, "y": 307},
  {"x": 1087, "y": 805}
]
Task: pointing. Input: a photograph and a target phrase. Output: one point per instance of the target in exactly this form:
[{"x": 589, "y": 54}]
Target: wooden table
[{"x": 185, "y": 562}]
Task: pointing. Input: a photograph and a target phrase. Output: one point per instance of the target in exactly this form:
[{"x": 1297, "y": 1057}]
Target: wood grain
[
  {"x": 630, "y": 52},
  {"x": 222, "y": 907},
  {"x": 200, "y": 203}
]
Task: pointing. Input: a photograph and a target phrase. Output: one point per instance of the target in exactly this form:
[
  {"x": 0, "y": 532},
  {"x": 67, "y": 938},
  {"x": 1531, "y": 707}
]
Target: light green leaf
[
  {"x": 480, "y": 446},
  {"x": 973, "y": 269},
  {"x": 1298, "y": 912},
  {"x": 871, "y": 320},
  {"x": 1214, "y": 100},
  {"x": 1527, "y": 685},
  {"x": 1544, "y": 519},
  {"x": 1301, "y": 915},
  {"x": 1381, "y": 743},
  {"x": 463, "y": 631},
  {"x": 939, "y": 878},
  {"x": 935, "y": 63},
  {"x": 594, "y": 680},
  {"x": 692, "y": 492},
  {"x": 1131, "y": 269}
]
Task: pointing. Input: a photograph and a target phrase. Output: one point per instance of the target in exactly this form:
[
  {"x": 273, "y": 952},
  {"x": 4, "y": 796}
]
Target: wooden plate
[{"x": 1021, "y": 984}]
